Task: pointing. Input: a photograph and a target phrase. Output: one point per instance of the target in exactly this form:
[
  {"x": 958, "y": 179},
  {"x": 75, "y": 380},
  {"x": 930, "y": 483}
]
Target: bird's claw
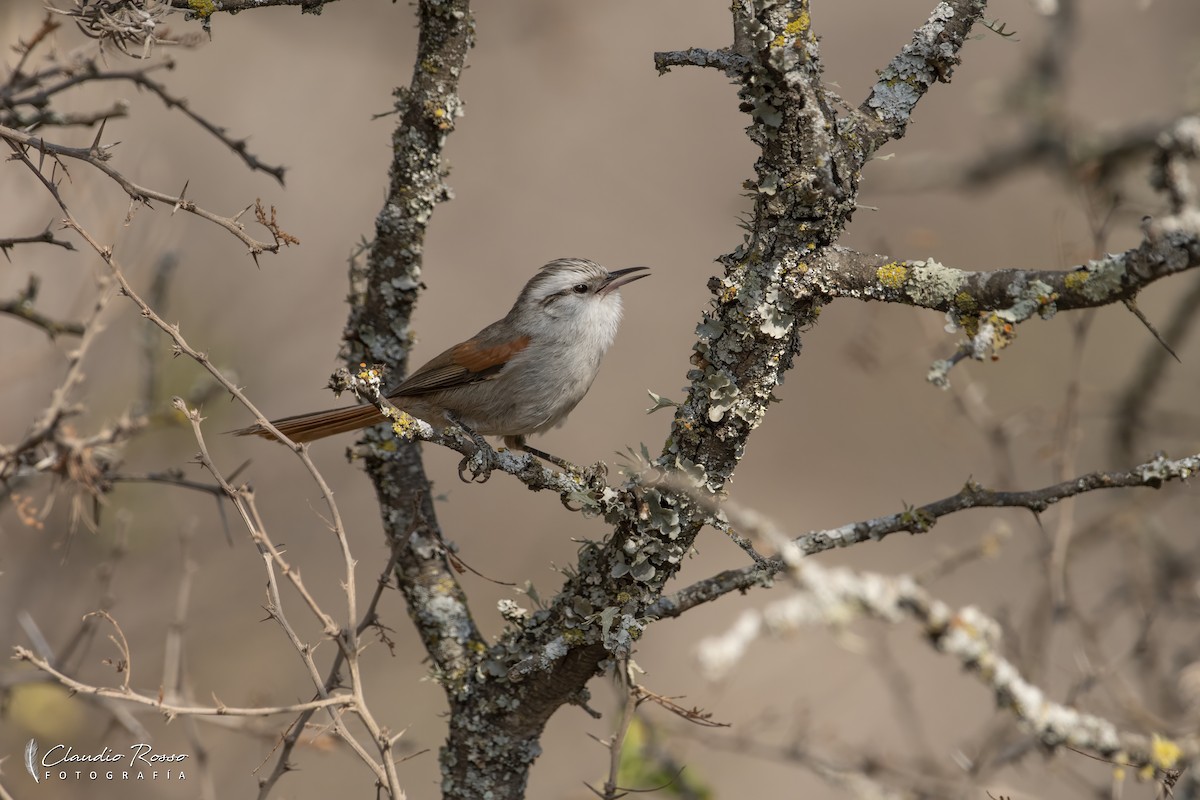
[
  {"x": 480, "y": 464},
  {"x": 596, "y": 475}
]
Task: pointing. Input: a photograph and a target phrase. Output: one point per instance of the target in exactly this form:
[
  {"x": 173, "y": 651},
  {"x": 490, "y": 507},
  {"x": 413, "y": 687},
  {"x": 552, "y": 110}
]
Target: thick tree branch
[
  {"x": 377, "y": 331},
  {"x": 805, "y": 190}
]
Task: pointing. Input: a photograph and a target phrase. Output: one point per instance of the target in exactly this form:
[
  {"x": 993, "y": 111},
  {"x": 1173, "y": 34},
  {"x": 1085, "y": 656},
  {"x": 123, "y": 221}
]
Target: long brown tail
[{"x": 319, "y": 424}]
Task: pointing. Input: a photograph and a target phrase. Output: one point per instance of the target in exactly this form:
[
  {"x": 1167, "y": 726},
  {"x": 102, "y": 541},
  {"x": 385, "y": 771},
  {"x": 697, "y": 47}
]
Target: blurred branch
[
  {"x": 22, "y": 308},
  {"x": 1152, "y": 474},
  {"x": 169, "y": 709},
  {"x": 834, "y": 597}
]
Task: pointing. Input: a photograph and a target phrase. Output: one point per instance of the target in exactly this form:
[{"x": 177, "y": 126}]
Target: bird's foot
[
  {"x": 479, "y": 464},
  {"x": 596, "y": 476}
]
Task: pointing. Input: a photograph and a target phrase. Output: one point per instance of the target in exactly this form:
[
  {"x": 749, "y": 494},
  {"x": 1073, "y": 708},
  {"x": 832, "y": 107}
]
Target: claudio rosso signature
[{"x": 139, "y": 763}]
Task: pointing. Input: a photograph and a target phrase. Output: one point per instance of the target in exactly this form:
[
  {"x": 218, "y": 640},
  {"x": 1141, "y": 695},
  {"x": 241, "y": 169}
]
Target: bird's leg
[
  {"x": 597, "y": 471},
  {"x": 518, "y": 443},
  {"x": 484, "y": 454}
]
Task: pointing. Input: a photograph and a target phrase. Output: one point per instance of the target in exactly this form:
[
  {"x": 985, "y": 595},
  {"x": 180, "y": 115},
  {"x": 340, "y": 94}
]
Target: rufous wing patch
[
  {"x": 462, "y": 364},
  {"x": 487, "y": 359}
]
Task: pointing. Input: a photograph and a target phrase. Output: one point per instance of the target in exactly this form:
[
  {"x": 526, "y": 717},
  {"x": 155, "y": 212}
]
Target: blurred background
[{"x": 572, "y": 146}]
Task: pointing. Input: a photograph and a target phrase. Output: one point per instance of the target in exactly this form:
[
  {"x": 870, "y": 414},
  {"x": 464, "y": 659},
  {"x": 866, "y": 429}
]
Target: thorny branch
[
  {"x": 97, "y": 155},
  {"x": 27, "y": 98},
  {"x": 345, "y": 636}
]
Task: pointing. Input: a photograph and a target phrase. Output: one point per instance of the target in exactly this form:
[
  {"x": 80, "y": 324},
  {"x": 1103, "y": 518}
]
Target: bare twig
[{"x": 171, "y": 710}]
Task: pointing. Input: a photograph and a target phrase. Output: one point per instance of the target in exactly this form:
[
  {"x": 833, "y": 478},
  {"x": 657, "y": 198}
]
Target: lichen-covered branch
[
  {"x": 1018, "y": 294},
  {"x": 724, "y": 60},
  {"x": 804, "y": 194},
  {"x": 384, "y": 293},
  {"x": 928, "y": 59},
  {"x": 987, "y": 306},
  {"x": 206, "y": 8}
]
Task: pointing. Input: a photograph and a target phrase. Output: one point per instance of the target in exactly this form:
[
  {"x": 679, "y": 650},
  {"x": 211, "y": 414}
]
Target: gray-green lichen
[
  {"x": 931, "y": 284},
  {"x": 1100, "y": 280}
]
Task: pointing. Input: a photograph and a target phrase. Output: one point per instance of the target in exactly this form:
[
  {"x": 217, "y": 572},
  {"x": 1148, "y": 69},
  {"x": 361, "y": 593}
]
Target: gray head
[{"x": 568, "y": 288}]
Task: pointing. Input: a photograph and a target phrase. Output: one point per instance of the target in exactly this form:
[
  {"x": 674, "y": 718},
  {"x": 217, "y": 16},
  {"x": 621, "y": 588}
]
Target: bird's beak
[{"x": 620, "y": 277}]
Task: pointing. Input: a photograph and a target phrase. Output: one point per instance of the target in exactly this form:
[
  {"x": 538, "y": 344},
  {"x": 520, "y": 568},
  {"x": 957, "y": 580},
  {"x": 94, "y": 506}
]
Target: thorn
[
  {"x": 95, "y": 148},
  {"x": 182, "y": 194},
  {"x": 1131, "y": 304}
]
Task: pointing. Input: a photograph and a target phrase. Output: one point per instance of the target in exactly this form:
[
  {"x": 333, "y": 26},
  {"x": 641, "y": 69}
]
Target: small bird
[{"x": 520, "y": 375}]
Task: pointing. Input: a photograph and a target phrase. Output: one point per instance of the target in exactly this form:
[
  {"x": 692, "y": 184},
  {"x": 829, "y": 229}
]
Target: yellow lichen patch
[
  {"x": 892, "y": 275},
  {"x": 403, "y": 425},
  {"x": 799, "y": 25},
  {"x": 794, "y": 28},
  {"x": 970, "y": 324},
  {"x": 965, "y": 303},
  {"x": 729, "y": 293},
  {"x": 1164, "y": 752},
  {"x": 202, "y": 8},
  {"x": 1075, "y": 280}
]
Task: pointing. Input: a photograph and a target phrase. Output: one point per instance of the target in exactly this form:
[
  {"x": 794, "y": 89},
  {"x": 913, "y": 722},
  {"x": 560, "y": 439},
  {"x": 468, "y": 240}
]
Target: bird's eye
[{"x": 580, "y": 288}]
